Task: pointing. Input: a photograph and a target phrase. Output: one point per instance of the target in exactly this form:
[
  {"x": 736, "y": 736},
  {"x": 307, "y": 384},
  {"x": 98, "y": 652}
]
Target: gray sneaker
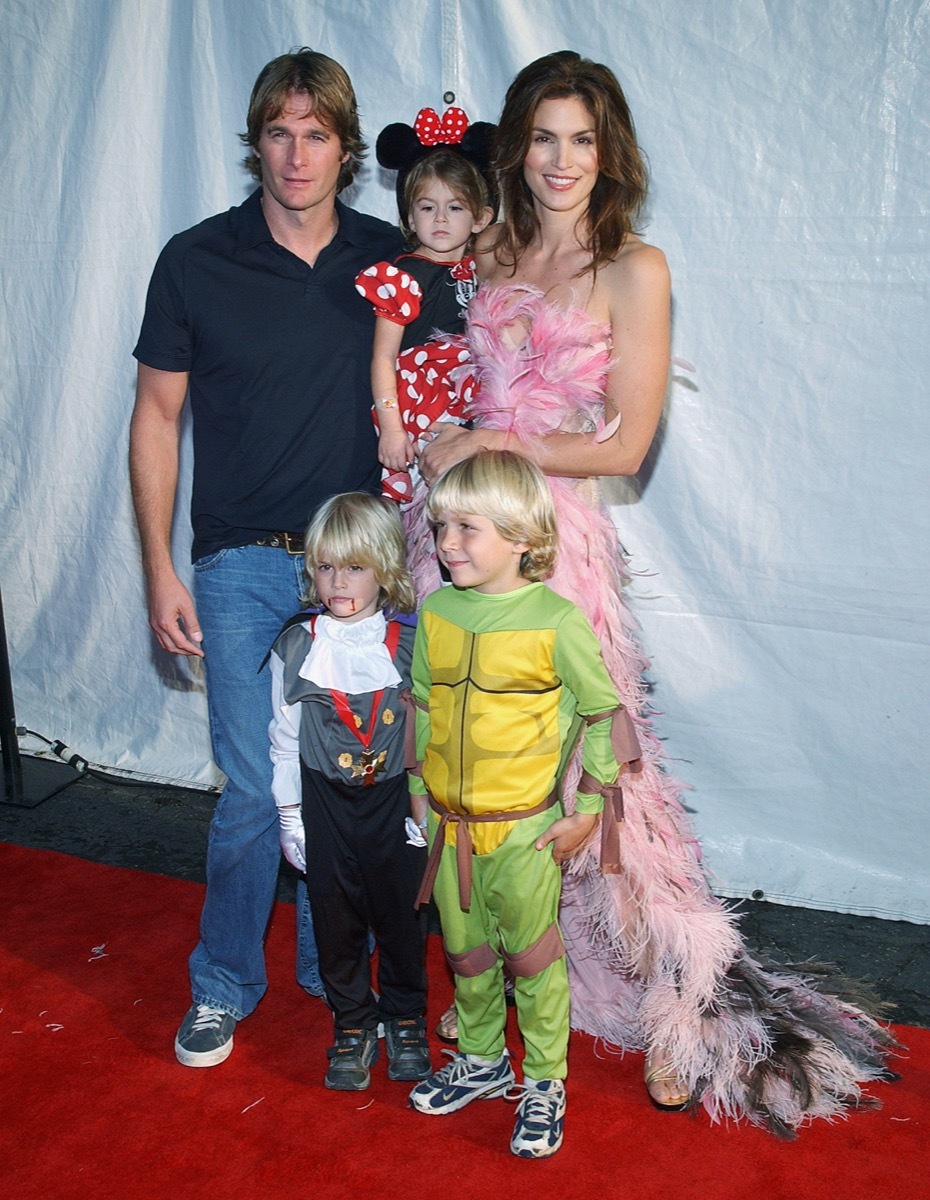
[
  {"x": 205, "y": 1037},
  {"x": 408, "y": 1049},
  {"x": 350, "y": 1059}
]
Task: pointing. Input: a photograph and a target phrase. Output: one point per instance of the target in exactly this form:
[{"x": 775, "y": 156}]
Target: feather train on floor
[{"x": 655, "y": 959}]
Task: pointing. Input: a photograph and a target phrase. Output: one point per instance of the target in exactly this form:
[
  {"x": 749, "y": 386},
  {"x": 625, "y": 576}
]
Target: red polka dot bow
[{"x": 448, "y": 131}]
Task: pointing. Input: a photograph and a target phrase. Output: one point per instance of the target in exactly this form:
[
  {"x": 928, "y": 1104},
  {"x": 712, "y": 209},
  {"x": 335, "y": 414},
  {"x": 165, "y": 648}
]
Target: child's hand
[
  {"x": 395, "y": 450},
  {"x": 292, "y": 838},
  {"x": 415, "y": 824},
  {"x": 415, "y": 835},
  {"x": 418, "y": 807},
  {"x": 567, "y": 835}
]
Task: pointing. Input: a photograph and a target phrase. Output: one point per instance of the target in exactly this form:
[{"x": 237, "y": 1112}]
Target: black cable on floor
[{"x": 96, "y": 771}]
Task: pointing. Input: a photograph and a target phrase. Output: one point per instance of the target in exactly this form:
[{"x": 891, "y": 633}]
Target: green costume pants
[{"x": 515, "y": 899}]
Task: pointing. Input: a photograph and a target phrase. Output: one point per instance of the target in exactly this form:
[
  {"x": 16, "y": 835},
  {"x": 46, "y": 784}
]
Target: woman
[{"x": 569, "y": 337}]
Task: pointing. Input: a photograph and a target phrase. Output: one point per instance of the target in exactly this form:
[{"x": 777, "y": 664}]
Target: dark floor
[{"x": 164, "y": 830}]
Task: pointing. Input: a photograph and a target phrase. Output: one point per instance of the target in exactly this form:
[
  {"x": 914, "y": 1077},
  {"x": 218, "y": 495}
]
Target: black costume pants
[{"x": 362, "y": 875}]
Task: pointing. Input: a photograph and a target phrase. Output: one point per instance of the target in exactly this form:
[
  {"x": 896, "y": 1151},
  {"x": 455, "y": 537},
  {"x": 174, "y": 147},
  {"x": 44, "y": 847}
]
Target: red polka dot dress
[{"x": 429, "y": 299}]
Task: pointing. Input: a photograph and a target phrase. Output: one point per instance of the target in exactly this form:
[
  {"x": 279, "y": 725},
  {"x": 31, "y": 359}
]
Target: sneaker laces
[
  {"x": 534, "y": 1106},
  {"x": 208, "y": 1018},
  {"x": 461, "y": 1069}
]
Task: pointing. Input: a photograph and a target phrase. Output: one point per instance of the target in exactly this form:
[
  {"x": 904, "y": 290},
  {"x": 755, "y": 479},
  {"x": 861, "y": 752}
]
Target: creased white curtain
[{"x": 779, "y": 531}]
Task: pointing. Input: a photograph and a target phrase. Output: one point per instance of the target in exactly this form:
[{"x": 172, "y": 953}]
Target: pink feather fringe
[{"x": 655, "y": 959}]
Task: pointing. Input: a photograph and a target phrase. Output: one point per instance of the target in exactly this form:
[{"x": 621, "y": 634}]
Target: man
[{"x": 254, "y": 314}]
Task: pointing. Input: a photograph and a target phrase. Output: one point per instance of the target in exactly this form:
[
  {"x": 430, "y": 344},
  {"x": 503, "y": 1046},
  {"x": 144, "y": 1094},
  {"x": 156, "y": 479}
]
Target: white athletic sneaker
[
  {"x": 460, "y": 1081},
  {"x": 540, "y": 1118}
]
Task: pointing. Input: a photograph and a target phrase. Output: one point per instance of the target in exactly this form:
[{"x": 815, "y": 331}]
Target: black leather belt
[{"x": 293, "y": 543}]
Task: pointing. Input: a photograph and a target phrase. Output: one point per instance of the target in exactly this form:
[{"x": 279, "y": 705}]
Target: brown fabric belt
[
  {"x": 464, "y": 847},
  {"x": 293, "y": 543}
]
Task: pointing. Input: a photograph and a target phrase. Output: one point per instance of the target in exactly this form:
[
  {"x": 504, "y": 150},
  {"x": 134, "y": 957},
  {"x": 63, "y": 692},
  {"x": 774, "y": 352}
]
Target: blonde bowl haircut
[
  {"x": 357, "y": 529},
  {"x": 512, "y": 493}
]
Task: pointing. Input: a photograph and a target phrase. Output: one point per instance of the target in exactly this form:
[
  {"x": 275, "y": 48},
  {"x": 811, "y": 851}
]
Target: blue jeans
[{"x": 243, "y": 597}]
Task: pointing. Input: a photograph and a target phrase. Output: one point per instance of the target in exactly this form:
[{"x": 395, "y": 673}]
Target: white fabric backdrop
[{"x": 780, "y": 526}]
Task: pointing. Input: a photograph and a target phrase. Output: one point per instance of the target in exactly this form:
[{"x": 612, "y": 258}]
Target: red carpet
[{"x": 93, "y": 1105}]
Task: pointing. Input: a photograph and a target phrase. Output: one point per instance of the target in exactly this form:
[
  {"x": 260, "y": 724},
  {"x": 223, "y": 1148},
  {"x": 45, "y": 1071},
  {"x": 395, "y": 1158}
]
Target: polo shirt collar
[
  {"x": 350, "y": 225},
  {"x": 253, "y": 228}
]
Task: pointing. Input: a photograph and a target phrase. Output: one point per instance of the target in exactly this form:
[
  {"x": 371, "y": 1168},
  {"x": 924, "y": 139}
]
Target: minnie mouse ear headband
[{"x": 400, "y": 146}]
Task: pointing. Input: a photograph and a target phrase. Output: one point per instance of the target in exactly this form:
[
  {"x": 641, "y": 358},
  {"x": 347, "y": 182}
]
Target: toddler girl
[{"x": 445, "y": 205}]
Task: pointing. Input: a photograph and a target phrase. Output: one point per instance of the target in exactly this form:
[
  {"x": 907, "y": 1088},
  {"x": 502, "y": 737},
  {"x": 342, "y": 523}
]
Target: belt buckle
[{"x": 292, "y": 543}]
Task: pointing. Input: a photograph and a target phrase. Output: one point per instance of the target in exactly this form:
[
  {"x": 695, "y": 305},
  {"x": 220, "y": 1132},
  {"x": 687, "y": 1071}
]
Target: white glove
[
  {"x": 293, "y": 840},
  {"x": 416, "y": 834}
]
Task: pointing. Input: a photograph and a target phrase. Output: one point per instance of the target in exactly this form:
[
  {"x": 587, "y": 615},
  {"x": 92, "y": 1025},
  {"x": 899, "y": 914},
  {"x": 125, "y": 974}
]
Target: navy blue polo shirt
[{"x": 279, "y": 355}]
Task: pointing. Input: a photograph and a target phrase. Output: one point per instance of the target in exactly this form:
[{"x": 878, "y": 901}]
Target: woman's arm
[
  {"x": 634, "y": 294},
  {"x": 452, "y": 443},
  {"x": 637, "y": 291}
]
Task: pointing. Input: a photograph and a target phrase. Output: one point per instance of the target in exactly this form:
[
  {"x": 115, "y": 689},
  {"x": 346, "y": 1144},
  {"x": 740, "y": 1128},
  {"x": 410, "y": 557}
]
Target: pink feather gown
[{"x": 655, "y": 959}]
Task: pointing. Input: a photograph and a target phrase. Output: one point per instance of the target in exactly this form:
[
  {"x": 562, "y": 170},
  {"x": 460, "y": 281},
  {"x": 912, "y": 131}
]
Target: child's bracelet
[{"x": 383, "y": 402}]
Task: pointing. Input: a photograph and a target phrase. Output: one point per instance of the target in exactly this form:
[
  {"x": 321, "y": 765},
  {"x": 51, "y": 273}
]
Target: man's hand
[
  {"x": 567, "y": 835},
  {"x": 173, "y": 617},
  {"x": 154, "y": 434}
]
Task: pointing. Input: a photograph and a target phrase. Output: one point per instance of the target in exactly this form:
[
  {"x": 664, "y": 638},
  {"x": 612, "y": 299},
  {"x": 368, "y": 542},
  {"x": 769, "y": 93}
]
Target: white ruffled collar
[{"x": 350, "y": 656}]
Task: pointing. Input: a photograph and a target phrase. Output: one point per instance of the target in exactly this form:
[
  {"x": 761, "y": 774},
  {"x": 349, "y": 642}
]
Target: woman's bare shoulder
[
  {"x": 633, "y": 286},
  {"x": 638, "y": 263},
  {"x": 638, "y": 272}
]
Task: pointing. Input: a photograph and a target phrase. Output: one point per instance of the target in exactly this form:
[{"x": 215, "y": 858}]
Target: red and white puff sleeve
[{"x": 394, "y": 294}]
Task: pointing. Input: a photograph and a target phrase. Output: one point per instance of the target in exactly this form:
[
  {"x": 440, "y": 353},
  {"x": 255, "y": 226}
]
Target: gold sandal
[
  {"x": 448, "y": 1027},
  {"x": 678, "y": 1098}
]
